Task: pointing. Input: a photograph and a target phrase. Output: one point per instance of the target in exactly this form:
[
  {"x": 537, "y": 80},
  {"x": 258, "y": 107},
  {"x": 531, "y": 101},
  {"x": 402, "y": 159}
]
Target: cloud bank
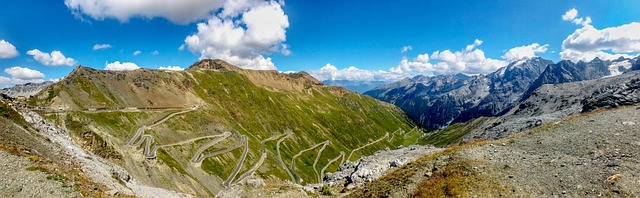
[{"x": 181, "y": 12}]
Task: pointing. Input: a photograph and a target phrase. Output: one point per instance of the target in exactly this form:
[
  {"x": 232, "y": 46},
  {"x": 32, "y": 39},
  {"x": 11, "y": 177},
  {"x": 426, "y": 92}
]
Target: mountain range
[
  {"x": 439, "y": 101},
  {"x": 215, "y": 129}
]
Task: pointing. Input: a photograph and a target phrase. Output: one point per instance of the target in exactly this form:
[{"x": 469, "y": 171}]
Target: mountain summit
[{"x": 441, "y": 100}]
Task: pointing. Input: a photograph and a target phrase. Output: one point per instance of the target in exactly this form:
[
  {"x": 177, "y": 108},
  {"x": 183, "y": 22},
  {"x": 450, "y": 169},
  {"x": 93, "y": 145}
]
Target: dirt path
[
  {"x": 284, "y": 166},
  {"x": 318, "y": 158},
  {"x": 369, "y": 144},
  {"x": 244, "y": 141},
  {"x": 293, "y": 159}
]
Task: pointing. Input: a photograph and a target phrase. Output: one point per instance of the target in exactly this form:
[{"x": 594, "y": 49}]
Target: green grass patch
[{"x": 452, "y": 134}]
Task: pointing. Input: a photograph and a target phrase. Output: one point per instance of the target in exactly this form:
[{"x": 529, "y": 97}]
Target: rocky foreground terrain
[
  {"x": 588, "y": 155},
  {"x": 551, "y": 103}
]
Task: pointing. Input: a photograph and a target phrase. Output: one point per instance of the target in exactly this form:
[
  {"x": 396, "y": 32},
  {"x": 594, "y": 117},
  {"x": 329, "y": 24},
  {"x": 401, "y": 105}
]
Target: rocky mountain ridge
[
  {"x": 439, "y": 101},
  {"x": 26, "y": 90}
]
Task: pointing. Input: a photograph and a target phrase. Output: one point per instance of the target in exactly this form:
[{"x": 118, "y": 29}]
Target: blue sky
[{"x": 326, "y": 38}]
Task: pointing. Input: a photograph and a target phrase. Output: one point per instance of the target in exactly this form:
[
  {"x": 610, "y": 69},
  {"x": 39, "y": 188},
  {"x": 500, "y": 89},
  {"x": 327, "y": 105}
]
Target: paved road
[
  {"x": 318, "y": 158},
  {"x": 50, "y": 112},
  {"x": 393, "y": 134},
  {"x": 293, "y": 159},
  {"x": 154, "y": 151},
  {"x": 140, "y": 130},
  {"x": 261, "y": 160},
  {"x": 328, "y": 164},
  {"x": 201, "y": 158},
  {"x": 369, "y": 144},
  {"x": 244, "y": 141},
  {"x": 284, "y": 166},
  {"x": 197, "y": 158}
]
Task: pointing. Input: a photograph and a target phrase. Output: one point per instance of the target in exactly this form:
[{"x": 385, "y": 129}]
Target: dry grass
[{"x": 453, "y": 181}]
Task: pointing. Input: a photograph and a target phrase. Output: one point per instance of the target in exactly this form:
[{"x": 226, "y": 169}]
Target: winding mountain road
[
  {"x": 284, "y": 166},
  {"x": 140, "y": 130},
  {"x": 318, "y": 158},
  {"x": 293, "y": 159},
  {"x": 154, "y": 151},
  {"x": 393, "y": 134},
  {"x": 328, "y": 164},
  {"x": 369, "y": 144},
  {"x": 196, "y": 156},
  {"x": 263, "y": 157},
  {"x": 199, "y": 160},
  {"x": 244, "y": 141}
]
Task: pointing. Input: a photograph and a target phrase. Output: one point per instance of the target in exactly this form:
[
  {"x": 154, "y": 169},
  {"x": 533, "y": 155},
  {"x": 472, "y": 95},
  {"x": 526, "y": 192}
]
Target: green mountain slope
[{"x": 183, "y": 112}]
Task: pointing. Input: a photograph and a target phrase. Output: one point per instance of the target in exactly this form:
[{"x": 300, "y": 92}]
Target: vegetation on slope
[
  {"x": 257, "y": 104},
  {"x": 452, "y": 134}
]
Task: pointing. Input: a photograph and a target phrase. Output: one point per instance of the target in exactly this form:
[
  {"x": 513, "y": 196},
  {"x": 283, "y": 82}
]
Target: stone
[{"x": 628, "y": 123}]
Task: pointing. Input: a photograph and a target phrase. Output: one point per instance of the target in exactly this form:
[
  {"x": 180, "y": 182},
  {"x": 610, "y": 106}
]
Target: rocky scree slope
[
  {"x": 247, "y": 125},
  {"x": 589, "y": 155},
  {"x": 40, "y": 160},
  {"x": 551, "y": 103}
]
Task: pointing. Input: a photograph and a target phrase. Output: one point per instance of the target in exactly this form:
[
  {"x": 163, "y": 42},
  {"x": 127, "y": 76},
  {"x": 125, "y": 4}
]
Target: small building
[{"x": 22, "y": 98}]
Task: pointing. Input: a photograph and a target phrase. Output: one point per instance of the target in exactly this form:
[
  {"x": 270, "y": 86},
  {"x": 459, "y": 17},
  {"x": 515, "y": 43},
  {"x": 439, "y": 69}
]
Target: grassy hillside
[{"x": 256, "y": 104}]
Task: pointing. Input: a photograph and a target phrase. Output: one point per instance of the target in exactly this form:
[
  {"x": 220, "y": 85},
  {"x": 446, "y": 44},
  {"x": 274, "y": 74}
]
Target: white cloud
[
  {"x": 101, "y": 46},
  {"x": 241, "y": 33},
  {"x": 182, "y": 12},
  {"x": 330, "y": 72},
  {"x": 55, "y": 58},
  {"x": 173, "y": 68},
  {"x": 419, "y": 64},
  {"x": 524, "y": 51},
  {"x": 588, "y": 42},
  {"x": 117, "y": 66},
  {"x": 4, "y": 80},
  {"x": 155, "y": 53},
  {"x": 406, "y": 48},
  {"x": 572, "y": 15},
  {"x": 21, "y": 75},
  {"x": 7, "y": 50},
  {"x": 470, "y": 60},
  {"x": 24, "y": 73},
  {"x": 137, "y": 52}
]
